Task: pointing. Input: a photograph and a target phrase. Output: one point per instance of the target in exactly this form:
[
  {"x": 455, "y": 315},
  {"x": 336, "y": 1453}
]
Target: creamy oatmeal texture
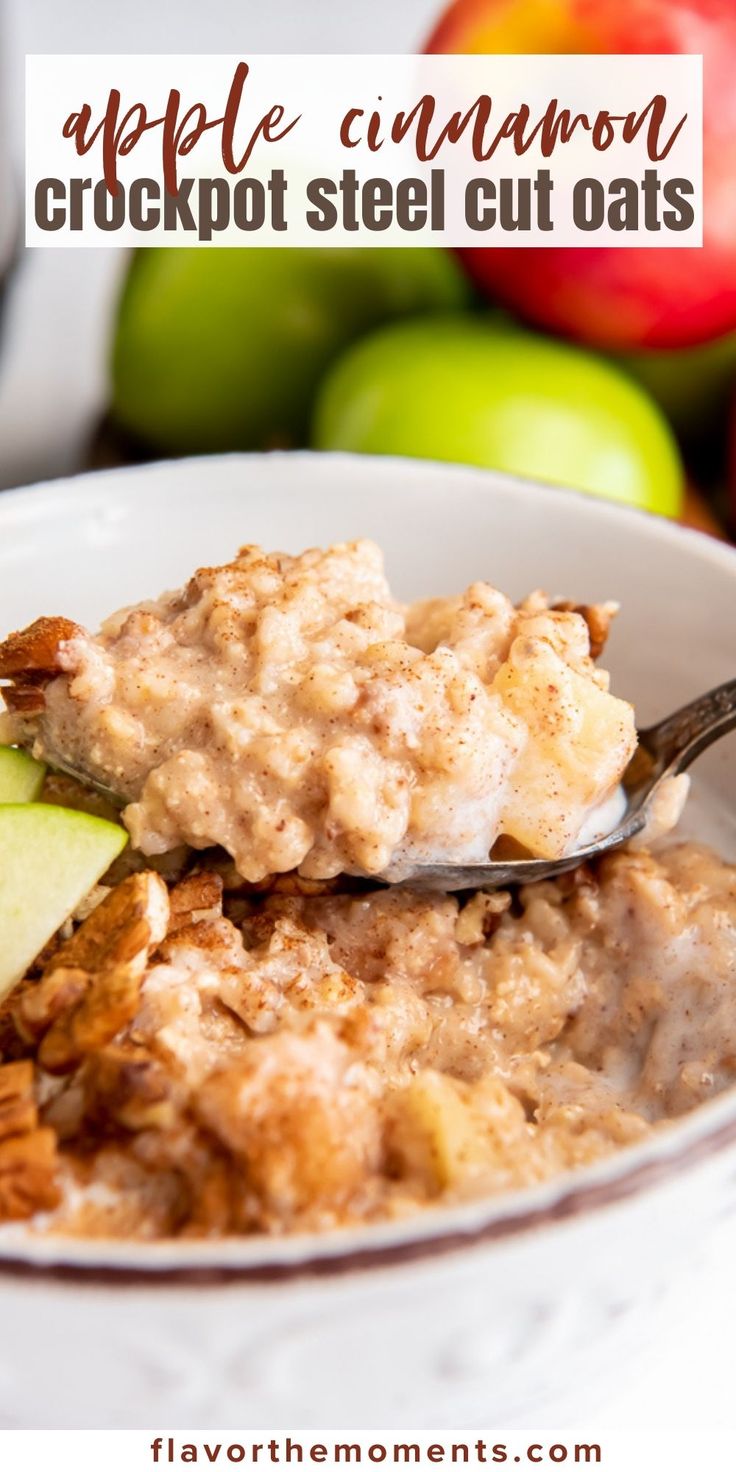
[
  {"x": 302, "y": 1060},
  {"x": 288, "y": 709},
  {"x": 213, "y": 1045}
]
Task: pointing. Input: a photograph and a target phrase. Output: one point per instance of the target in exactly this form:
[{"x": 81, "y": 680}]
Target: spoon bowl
[{"x": 663, "y": 754}]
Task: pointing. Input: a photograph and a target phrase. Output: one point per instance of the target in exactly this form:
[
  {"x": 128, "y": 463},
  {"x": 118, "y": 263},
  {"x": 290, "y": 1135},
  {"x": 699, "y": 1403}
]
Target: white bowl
[{"x": 507, "y": 1311}]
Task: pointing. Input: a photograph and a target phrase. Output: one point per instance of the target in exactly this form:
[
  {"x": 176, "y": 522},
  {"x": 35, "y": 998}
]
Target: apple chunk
[
  {"x": 50, "y": 858},
  {"x": 21, "y": 778}
]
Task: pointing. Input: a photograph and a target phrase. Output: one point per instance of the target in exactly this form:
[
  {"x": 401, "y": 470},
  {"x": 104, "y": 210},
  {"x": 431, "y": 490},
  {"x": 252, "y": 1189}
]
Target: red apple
[
  {"x": 732, "y": 471},
  {"x": 697, "y": 514},
  {"x": 613, "y": 297}
]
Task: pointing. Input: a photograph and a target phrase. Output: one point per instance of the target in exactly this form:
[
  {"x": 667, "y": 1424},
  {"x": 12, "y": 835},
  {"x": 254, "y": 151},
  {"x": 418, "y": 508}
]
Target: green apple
[
  {"x": 468, "y": 389},
  {"x": 50, "y": 858},
  {"x": 21, "y": 778},
  {"x": 224, "y": 349}
]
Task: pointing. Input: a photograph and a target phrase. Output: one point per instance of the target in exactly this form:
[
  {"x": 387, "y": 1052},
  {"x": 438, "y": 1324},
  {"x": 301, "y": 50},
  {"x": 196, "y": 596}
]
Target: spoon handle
[{"x": 676, "y": 741}]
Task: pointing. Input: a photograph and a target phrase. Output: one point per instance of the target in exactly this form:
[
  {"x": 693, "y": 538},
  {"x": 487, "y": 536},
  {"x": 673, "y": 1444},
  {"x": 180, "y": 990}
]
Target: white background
[{"x": 52, "y": 386}]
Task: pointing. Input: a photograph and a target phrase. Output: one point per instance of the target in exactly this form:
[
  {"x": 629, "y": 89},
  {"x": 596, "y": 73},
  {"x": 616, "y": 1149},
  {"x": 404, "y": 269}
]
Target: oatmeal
[
  {"x": 258, "y": 1038},
  {"x": 289, "y": 710},
  {"x": 199, "y": 1060}
]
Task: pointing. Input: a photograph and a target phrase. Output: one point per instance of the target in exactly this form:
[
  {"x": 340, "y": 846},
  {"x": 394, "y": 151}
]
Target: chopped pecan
[
  {"x": 209, "y": 936},
  {"x": 18, "y": 1112},
  {"x": 35, "y": 650},
  {"x": 24, "y": 700},
  {"x": 38, "y": 1007},
  {"x": 481, "y": 916},
  {"x": 28, "y": 1158},
  {"x": 598, "y": 617},
  {"x": 30, "y": 658},
  {"x": 124, "y": 1085},
  {"x": 27, "y": 1175},
  {"x": 196, "y": 898},
  {"x": 12, "y": 1046},
  {"x": 129, "y": 922},
  {"x": 109, "y": 1003},
  {"x": 90, "y": 988}
]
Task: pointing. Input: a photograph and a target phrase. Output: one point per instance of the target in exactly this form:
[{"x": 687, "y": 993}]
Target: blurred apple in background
[
  {"x": 732, "y": 470},
  {"x": 620, "y": 297},
  {"x": 223, "y": 349},
  {"x": 692, "y": 385},
  {"x": 697, "y": 514},
  {"x": 467, "y": 389}
]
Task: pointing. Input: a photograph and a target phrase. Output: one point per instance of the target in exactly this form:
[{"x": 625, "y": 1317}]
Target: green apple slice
[
  {"x": 50, "y": 858},
  {"x": 21, "y": 777}
]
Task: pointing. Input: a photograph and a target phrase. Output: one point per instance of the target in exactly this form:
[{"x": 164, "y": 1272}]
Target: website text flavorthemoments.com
[{"x": 335, "y": 1450}]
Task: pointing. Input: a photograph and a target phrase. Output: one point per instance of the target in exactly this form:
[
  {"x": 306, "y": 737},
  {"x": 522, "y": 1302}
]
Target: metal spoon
[{"x": 664, "y": 751}]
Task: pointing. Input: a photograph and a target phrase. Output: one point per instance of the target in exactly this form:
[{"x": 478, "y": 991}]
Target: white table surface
[{"x": 52, "y": 387}]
